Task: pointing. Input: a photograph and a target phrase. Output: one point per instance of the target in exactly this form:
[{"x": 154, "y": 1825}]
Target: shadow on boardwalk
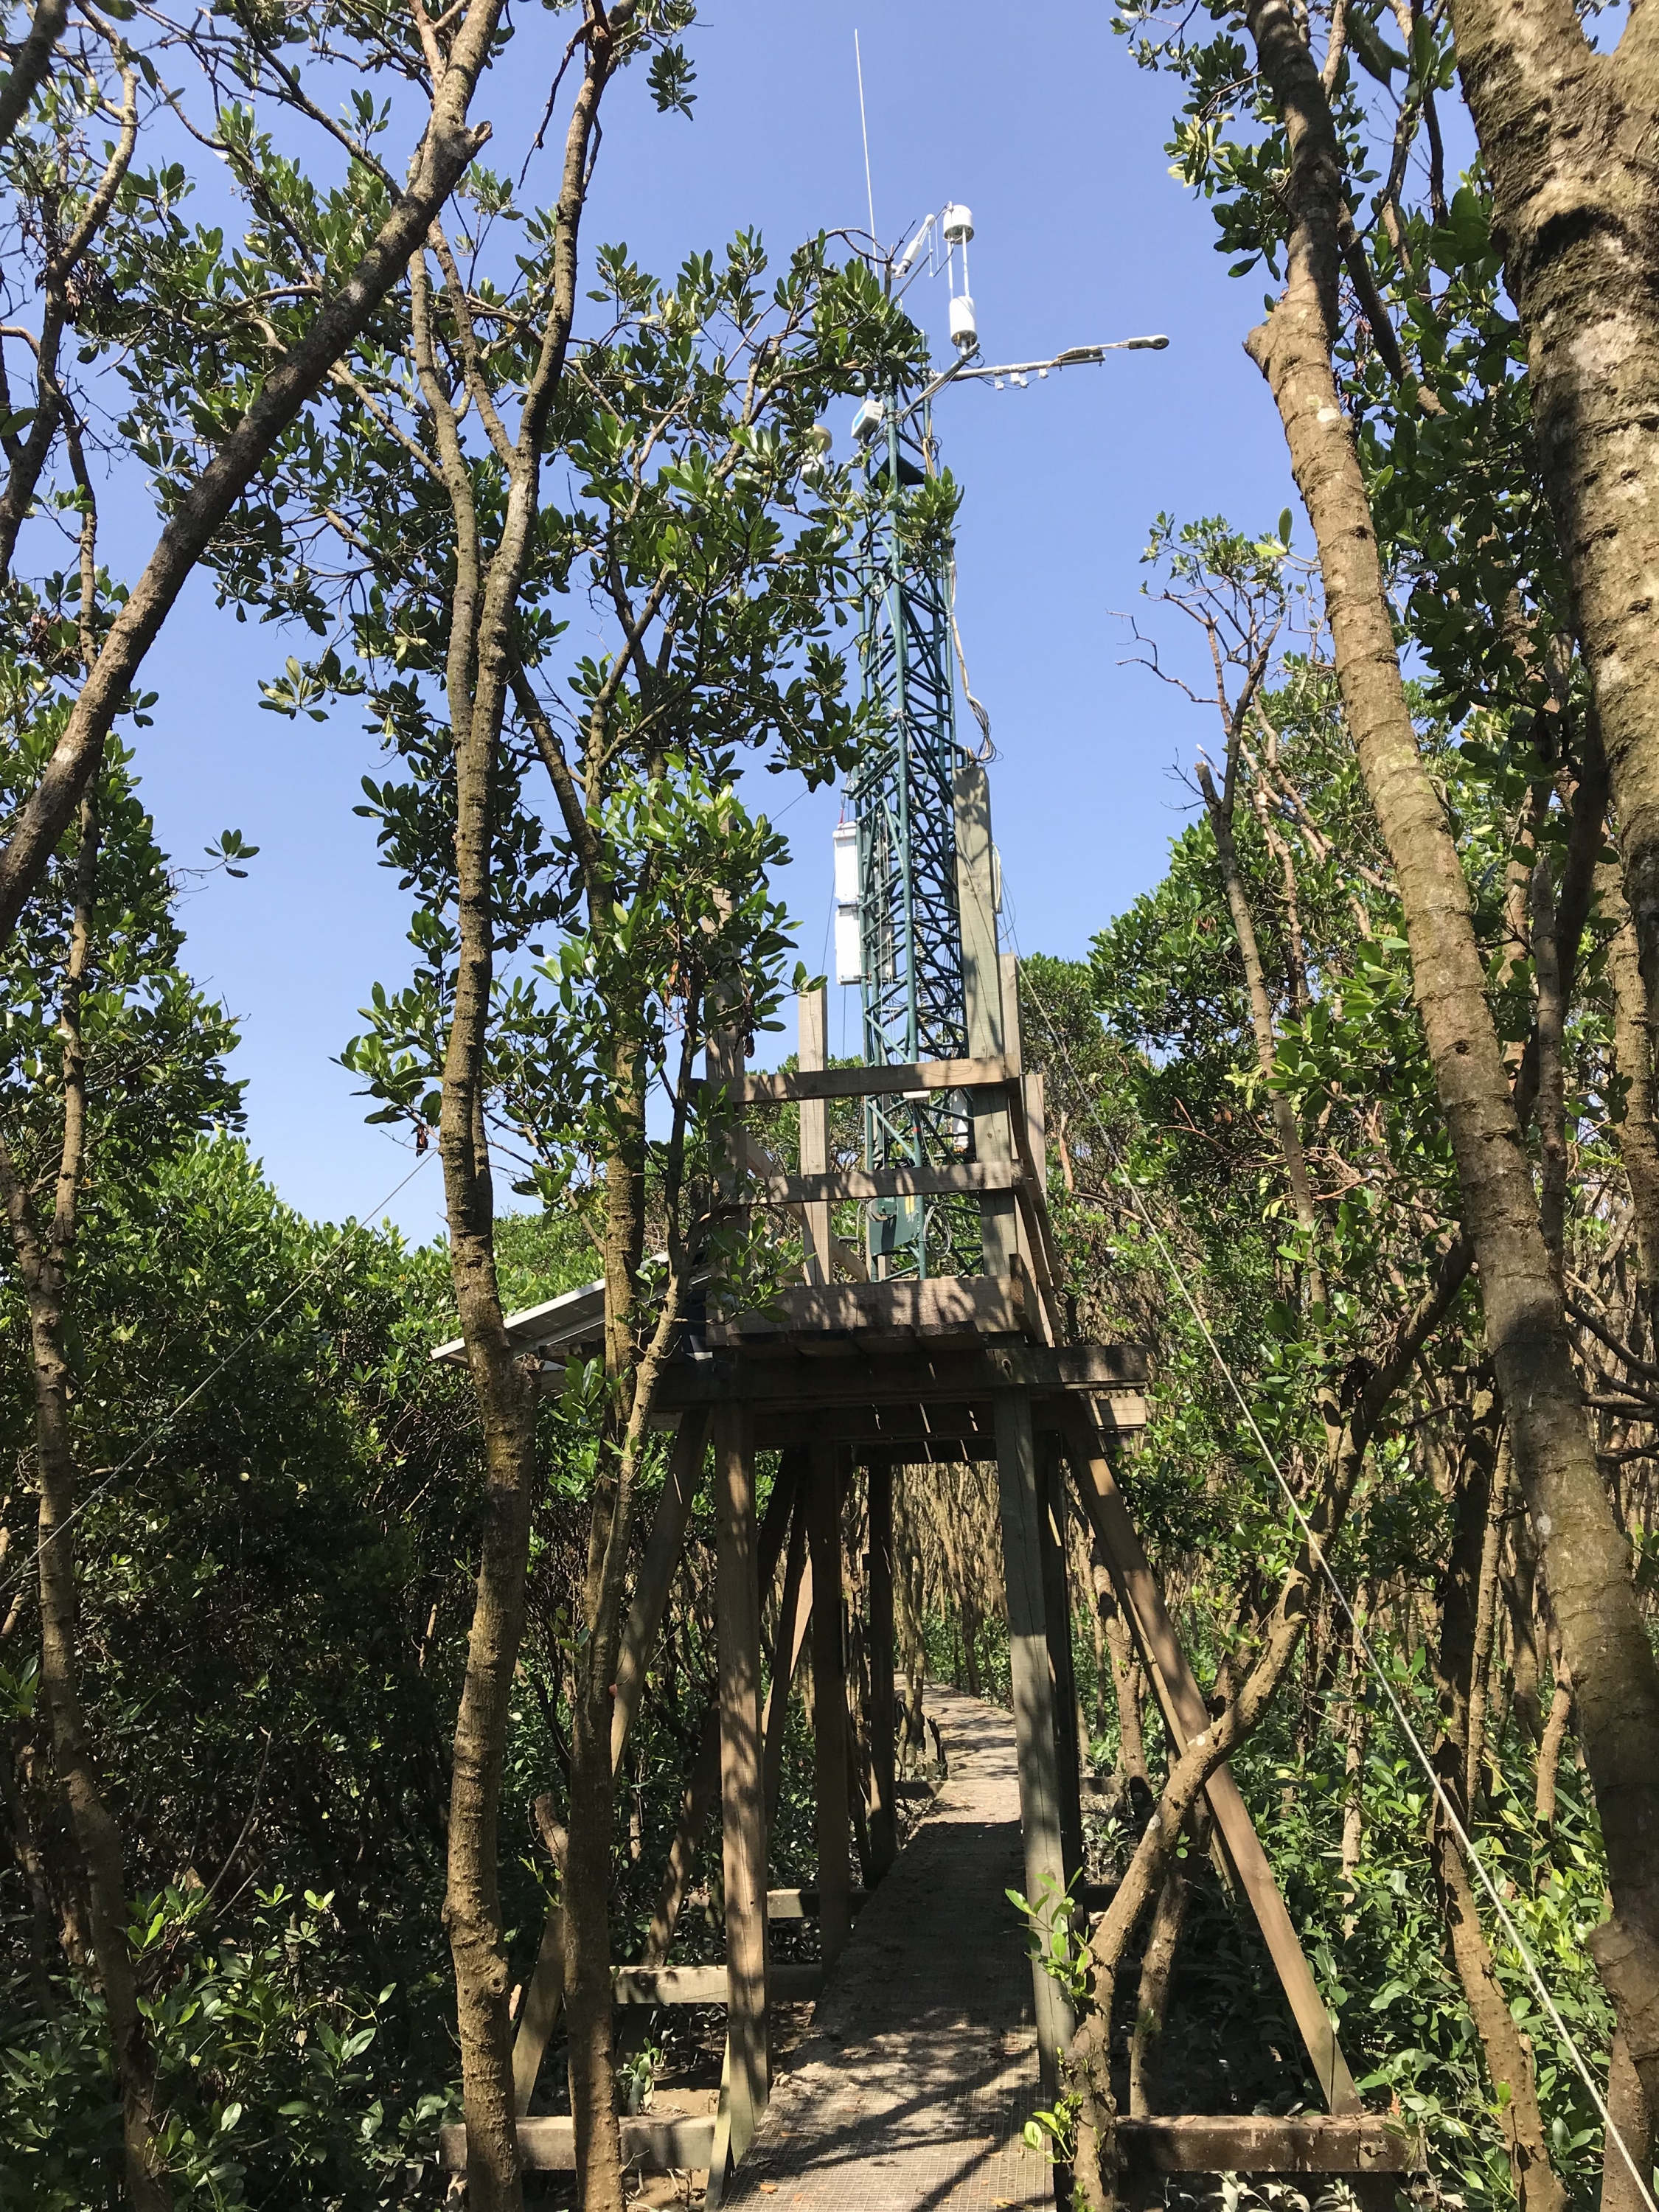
[{"x": 920, "y": 2071}]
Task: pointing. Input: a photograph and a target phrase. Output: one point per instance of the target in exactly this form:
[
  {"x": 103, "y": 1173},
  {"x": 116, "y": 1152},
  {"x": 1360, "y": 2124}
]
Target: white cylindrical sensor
[
  {"x": 964, "y": 325},
  {"x": 849, "y": 945},
  {"x": 847, "y": 863},
  {"x": 956, "y": 222}
]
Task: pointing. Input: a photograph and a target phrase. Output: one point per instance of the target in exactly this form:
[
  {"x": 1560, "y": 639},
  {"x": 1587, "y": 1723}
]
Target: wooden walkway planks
[{"x": 910, "y": 2092}]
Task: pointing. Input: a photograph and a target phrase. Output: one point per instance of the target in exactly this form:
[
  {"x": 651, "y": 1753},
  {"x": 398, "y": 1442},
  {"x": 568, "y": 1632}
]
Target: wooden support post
[
  {"x": 815, "y": 1136},
  {"x": 703, "y": 1782},
  {"x": 882, "y": 1717},
  {"x": 1035, "y": 1731},
  {"x": 831, "y": 1737},
  {"x": 1013, "y": 1053},
  {"x": 742, "y": 1798},
  {"x": 1186, "y": 1715},
  {"x": 982, "y": 984},
  {"x": 1057, "y": 1610},
  {"x": 1036, "y": 1132}
]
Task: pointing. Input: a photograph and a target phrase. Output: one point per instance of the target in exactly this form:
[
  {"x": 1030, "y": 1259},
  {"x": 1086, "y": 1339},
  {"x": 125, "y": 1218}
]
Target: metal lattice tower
[{"x": 901, "y": 798}]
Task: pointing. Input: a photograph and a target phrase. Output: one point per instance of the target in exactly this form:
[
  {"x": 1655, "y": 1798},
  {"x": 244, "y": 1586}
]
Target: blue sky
[{"x": 1056, "y": 143}]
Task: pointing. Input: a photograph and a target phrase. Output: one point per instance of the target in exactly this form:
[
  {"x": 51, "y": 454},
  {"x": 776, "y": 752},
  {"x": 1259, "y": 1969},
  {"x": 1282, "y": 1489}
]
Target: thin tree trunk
[
  {"x": 1568, "y": 141},
  {"x": 1480, "y": 1654},
  {"x": 907, "y": 1600},
  {"x": 1603, "y": 1636},
  {"x": 1087, "y": 2065},
  {"x": 480, "y": 660},
  {"x": 1551, "y": 1075},
  {"x": 1156, "y": 1970},
  {"x": 1466, "y": 1608},
  {"x": 1353, "y": 1732},
  {"x": 1261, "y": 1023},
  {"x": 447, "y": 147},
  {"x": 43, "y": 1263},
  {"x": 1509, "y": 2060},
  {"x": 1126, "y": 1671},
  {"x": 1353, "y": 1806},
  {"x": 1520, "y": 1593},
  {"x": 1632, "y": 1045},
  {"x": 43, "y": 1922},
  {"x": 1549, "y": 1752},
  {"x": 32, "y": 64}
]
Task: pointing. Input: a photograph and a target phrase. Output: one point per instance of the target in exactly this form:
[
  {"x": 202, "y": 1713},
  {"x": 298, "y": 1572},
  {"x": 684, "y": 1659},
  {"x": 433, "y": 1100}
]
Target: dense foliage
[{"x": 258, "y": 1549}]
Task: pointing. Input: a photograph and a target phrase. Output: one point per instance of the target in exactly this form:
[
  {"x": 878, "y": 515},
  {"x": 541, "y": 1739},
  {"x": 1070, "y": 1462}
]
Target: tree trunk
[
  {"x": 1508, "y": 2059},
  {"x": 97, "y": 1840},
  {"x": 1261, "y": 1023},
  {"x": 1603, "y": 1636},
  {"x": 1632, "y": 1045},
  {"x": 472, "y": 1915},
  {"x": 1567, "y": 134},
  {"x": 1126, "y": 1672},
  {"x": 1353, "y": 1803},
  {"x": 1480, "y": 1655},
  {"x": 1628, "y": 2110},
  {"x": 908, "y": 1601},
  {"x": 1549, "y": 1752},
  {"x": 588, "y": 1959},
  {"x": 1519, "y": 1592},
  {"x": 43, "y": 1263},
  {"x": 1156, "y": 1970},
  {"x": 31, "y": 64},
  {"x": 480, "y": 659},
  {"x": 447, "y": 147}
]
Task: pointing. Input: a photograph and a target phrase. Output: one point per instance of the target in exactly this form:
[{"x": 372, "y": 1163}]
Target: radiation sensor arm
[
  {"x": 1074, "y": 357},
  {"x": 968, "y": 368}
]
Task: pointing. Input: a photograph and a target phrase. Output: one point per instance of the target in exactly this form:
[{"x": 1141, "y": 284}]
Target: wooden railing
[{"x": 1005, "y": 1098}]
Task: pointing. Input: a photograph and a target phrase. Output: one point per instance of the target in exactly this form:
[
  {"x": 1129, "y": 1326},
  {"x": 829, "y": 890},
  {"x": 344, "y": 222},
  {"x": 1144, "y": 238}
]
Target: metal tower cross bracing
[
  {"x": 902, "y": 801},
  {"x": 899, "y": 924}
]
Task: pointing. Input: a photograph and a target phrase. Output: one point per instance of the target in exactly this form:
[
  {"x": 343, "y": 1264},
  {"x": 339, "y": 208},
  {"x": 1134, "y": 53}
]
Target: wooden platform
[
  {"x": 922, "y": 1398},
  {"x": 946, "y": 1310}
]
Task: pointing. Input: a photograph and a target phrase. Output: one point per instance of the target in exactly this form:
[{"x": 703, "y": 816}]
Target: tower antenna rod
[{"x": 863, "y": 125}]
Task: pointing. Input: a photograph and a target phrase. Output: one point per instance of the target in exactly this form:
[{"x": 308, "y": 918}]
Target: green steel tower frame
[
  {"x": 902, "y": 794},
  {"x": 901, "y": 798}
]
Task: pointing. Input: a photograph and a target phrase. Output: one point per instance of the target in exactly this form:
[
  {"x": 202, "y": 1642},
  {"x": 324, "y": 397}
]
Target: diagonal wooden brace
[{"x": 1186, "y": 1715}]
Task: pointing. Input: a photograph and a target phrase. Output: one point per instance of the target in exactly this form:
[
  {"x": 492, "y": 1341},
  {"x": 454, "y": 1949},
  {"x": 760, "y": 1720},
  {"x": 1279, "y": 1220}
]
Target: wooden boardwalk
[{"x": 920, "y": 2070}]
